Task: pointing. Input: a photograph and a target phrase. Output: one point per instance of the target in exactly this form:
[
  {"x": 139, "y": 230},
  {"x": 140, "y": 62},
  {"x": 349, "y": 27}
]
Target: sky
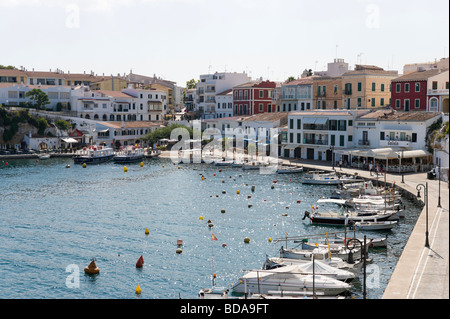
[{"x": 179, "y": 40}]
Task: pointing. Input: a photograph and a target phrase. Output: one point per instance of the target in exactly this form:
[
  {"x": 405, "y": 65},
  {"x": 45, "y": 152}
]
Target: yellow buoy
[
  {"x": 138, "y": 289},
  {"x": 270, "y": 239},
  {"x": 142, "y": 164},
  {"x": 223, "y": 181},
  {"x": 163, "y": 166},
  {"x": 238, "y": 192},
  {"x": 246, "y": 240},
  {"x": 179, "y": 167},
  {"x": 201, "y": 218},
  {"x": 179, "y": 250},
  {"x": 84, "y": 165},
  {"x": 125, "y": 169},
  {"x": 222, "y": 211},
  {"x": 146, "y": 231}
]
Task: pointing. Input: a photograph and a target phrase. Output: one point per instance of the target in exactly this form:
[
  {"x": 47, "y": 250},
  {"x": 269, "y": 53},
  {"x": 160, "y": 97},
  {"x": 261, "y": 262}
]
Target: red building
[
  {"x": 253, "y": 98},
  {"x": 409, "y": 92}
]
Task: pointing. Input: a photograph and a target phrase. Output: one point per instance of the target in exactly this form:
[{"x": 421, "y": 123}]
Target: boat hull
[
  {"x": 128, "y": 159},
  {"x": 92, "y": 160}
]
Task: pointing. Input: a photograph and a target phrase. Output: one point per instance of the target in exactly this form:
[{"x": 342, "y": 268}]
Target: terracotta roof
[
  {"x": 225, "y": 92},
  {"x": 131, "y": 124},
  {"x": 114, "y": 94},
  {"x": 322, "y": 113},
  {"x": 268, "y": 117},
  {"x": 392, "y": 115},
  {"x": 419, "y": 75},
  {"x": 304, "y": 81}
]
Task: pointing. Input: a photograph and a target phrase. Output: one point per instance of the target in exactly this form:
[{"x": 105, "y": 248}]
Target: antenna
[{"x": 337, "y": 50}]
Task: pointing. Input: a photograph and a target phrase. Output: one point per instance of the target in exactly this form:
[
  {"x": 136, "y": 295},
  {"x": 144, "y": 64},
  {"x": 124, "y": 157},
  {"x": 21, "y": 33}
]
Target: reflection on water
[{"x": 53, "y": 216}]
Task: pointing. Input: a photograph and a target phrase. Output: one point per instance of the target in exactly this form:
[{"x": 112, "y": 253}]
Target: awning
[
  {"x": 309, "y": 120},
  {"x": 291, "y": 146},
  {"x": 413, "y": 154},
  {"x": 69, "y": 140},
  {"x": 321, "y": 120}
]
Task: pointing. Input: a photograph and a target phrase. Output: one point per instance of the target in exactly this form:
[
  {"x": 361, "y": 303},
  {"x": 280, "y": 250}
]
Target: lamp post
[
  {"x": 425, "y": 188},
  {"x": 332, "y": 155},
  {"x": 439, "y": 197},
  {"x": 400, "y": 158}
]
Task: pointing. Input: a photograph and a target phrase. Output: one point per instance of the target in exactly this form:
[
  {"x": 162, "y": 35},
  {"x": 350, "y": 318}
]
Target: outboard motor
[{"x": 306, "y": 215}]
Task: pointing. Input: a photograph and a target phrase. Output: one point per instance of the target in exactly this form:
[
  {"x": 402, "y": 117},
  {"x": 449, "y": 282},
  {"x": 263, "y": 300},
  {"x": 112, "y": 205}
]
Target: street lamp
[
  {"x": 332, "y": 155},
  {"x": 439, "y": 197},
  {"x": 399, "y": 167},
  {"x": 425, "y": 188}
]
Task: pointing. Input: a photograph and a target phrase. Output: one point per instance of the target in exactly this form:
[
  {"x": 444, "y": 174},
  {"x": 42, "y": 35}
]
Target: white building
[
  {"x": 128, "y": 105},
  {"x": 15, "y": 94},
  {"x": 212, "y": 84},
  {"x": 361, "y": 137},
  {"x": 224, "y": 104},
  {"x": 297, "y": 95}
]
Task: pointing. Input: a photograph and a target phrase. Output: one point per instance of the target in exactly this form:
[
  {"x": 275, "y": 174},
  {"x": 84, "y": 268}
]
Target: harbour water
[{"x": 54, "y": 220}]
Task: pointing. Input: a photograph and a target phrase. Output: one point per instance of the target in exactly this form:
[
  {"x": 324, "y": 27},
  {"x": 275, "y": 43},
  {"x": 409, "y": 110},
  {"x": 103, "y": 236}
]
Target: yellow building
[
  {"x": 327, "y": 92},
  {"x": 110, "y": 83},
  {"x": 367, "y": 87}
]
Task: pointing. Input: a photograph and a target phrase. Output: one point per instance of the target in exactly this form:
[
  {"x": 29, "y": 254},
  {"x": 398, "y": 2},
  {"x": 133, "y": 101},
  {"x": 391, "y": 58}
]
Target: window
[
  {"x": 397, "y": 103},
  {"x": 381, "y": 136},
  {"x": 417, "y": 86},
  {"x": 299, "y": 124},
  {"x": 298, "y": 138},
  {"x": 359, "y": 101},
  {"x": 382, "y": 87},
  {"x": 261, "y": 93},
  {"x": 341, "y": 140},
  {"x": 433, "y": 105},
  {"x": 382, "y": 101},
  {"x": 406, "y": 87},
  {"x": 374, "y": 86},
  {"x": 350, "y": 138},
  {"x": 414, "y": 137},
  {"x": 435, "y": 85},
  {"x": 291, "y": 124},
  {"x": 261, "y": 107},
  {"x": 373, "y": 101},
  {"x": 333, "y": 140},
  {"x": 350, "y": 122},
  {"x": 291, "y": 137},
  {"x": 398, "y": 87},
  {"x": 359, "y": 86},
  {"x": 417, "y": 103}
]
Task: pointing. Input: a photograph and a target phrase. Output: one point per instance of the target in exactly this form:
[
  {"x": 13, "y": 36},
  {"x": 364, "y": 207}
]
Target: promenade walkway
[{"x": 421, "y": 272}]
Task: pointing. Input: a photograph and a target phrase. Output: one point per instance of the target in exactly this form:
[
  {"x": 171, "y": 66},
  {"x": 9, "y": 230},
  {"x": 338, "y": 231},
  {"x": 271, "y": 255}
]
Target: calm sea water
[{"x": 54, "y": 220}]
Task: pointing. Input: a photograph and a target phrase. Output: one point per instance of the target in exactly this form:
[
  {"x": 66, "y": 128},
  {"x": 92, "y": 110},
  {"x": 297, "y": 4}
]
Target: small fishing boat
[
  {"x": 213, "y": 293},
  {"x": 283, "y": 169},
  {"x": 252, "y": 166},
  {"x": 321, "y": 179},
  {"x": 223, "y": 163},
  {"x": 376, "y": 225},
  {"x": 289, "y": 278},
  {"x": 44, "y": 156},
  {"x": 93, "y": 155},
  {"x": 130, "y": 154}
]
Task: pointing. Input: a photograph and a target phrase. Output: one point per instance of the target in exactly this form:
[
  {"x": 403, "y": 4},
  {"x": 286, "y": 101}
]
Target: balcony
[
  {"x": 347, "y": 92},
  {"x": 315, "y": 141},
  {"x": 364, "y": 142},
  {"x": 321, "y": 94}
]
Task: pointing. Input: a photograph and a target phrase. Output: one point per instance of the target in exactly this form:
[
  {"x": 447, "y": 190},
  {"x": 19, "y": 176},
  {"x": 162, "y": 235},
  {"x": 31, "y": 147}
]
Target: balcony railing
[
  {"x": 315, "y": 141},
  {"x": 364, "y": 142},
  {"x": 348, "y": 92}
]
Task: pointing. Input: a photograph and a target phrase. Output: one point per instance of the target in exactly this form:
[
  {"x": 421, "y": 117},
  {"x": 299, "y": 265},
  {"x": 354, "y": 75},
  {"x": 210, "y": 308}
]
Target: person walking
[{"x": 370, "y": 168}]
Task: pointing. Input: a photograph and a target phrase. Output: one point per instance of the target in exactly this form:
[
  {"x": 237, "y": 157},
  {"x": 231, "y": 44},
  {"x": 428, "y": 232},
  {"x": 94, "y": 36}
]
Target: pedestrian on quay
[{"x": 370, "y": 168}]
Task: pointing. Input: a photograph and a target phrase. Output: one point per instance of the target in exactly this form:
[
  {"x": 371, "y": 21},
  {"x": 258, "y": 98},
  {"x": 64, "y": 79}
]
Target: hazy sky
[{"x": 181, "y": 39}]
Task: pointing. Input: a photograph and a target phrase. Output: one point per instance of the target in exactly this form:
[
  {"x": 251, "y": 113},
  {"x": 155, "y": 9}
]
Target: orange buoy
[
  {"x": 92, "y": 269},
  {"x": 140, "y": 262}
]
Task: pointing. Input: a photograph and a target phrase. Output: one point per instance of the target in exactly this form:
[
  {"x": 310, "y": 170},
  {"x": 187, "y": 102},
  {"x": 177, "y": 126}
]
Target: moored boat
[
  {"x": 130, "y": 154},
  {"x": 283, "y": 169},
  {"x": 376, "y": 225},
  {"x": 93, "y": 155}
]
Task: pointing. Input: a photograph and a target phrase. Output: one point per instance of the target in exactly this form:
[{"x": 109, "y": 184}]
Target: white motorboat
[
  {"x": 130, "y": 154},
  {"x": 321, "y": 179},
  {"x": 44, "y": 156},
  {"x": 213, "y": 293},
  {"x": 289, "y": 278},
  {"x": 312, "y": 267},
  {"x": 223, "y": 163},
  {"x": 376, "y": 225},
  {"x": 336, "y": 250},
  {"x": 283, "y": 169}
]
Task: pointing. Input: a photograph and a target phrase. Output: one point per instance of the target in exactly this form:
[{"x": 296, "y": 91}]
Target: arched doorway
[{"x": 43, "y": 146}]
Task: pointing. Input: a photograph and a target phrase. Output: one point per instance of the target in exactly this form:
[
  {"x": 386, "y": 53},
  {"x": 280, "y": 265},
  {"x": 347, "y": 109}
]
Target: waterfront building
[
  {"x": 424, "y": 90},
  {"x": 327, "y": 92},
  {"x": 380, "y": 135},
  {"x": 15, "y": 95},
  {"x": 316, "y": 134},
  {"x": 367, "y": 87},
  {"x": 189, "y": 103},
  {"x": 297, "y": 95},
  {"x": 224, "y": 104},
  {"x": 129, "y": 105},
  {"x": 117, "y": 134},
  {"x": 253, "y": 98},
  {"x": 210, "y": 85},
  {"x": 414, "y": 67}
]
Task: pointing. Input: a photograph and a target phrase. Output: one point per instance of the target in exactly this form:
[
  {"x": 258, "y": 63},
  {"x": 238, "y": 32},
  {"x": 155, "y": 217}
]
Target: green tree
[
  {"x": 290, "y": 79},
  {"x": 191, "y": 84},
  {"x": 62, "y": 124},
  {"x": 39, "y": 98},
  {"x": 42, "y": 126}
]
